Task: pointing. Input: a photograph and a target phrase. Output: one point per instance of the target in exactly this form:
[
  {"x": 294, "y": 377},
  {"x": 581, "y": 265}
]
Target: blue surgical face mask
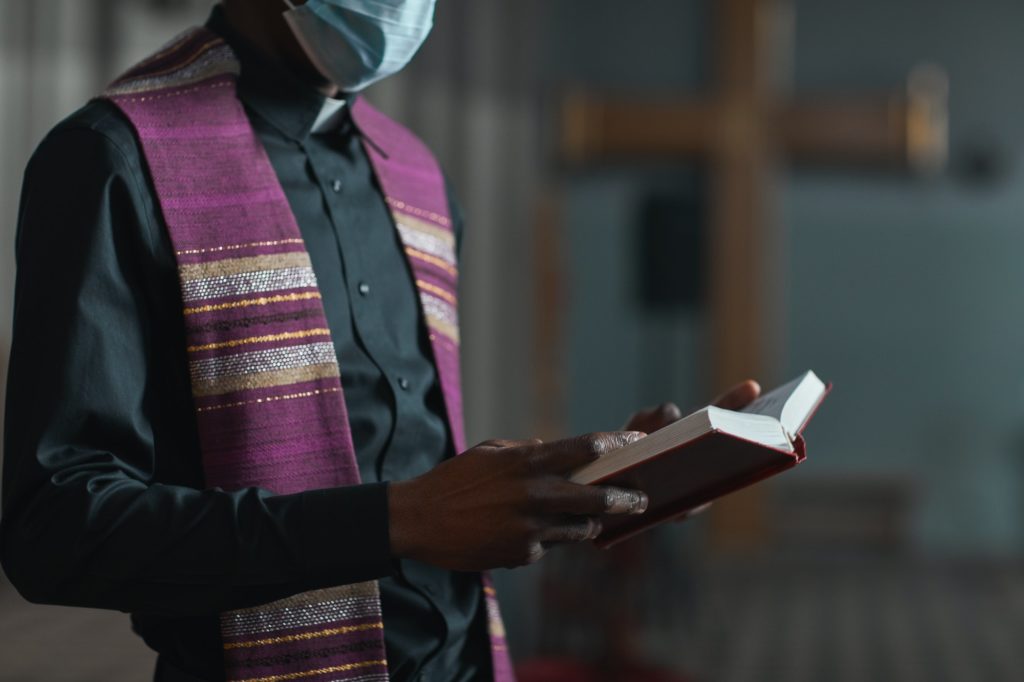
[{"x": 355, "y": 43}]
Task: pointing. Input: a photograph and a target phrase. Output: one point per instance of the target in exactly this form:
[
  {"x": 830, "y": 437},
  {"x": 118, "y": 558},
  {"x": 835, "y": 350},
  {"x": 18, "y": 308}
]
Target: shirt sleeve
[{"x": 90, "y": 518}]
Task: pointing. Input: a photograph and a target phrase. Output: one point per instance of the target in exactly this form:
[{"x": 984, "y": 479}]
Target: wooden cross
[{"x": 744, "y": 131}]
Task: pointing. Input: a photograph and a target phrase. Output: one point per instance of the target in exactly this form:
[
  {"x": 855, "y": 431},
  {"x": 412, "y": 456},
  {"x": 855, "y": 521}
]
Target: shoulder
[
  {"x": 96, "y": 138},
  {"x": 93, "y": 162}
]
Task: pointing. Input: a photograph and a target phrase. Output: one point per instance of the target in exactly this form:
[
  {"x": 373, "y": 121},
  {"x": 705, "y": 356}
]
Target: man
[{"x": 233, "y": 398}]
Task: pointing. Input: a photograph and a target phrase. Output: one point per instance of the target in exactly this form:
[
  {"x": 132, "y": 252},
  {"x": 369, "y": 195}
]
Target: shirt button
[
  {"x": 364, "y": 288},
  {"x": 403, "y": 383},
  {"x": 336, "y": 185}
]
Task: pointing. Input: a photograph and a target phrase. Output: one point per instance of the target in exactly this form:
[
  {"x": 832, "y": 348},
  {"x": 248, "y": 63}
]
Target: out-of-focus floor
[
  {"x": 787, "y": 619},
  {"x": 855, "y": 621},
  {"x": 55, "y": 644}
]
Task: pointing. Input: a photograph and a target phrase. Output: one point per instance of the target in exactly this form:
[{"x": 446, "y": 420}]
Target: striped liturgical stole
[{"x": 265, "y": 378}]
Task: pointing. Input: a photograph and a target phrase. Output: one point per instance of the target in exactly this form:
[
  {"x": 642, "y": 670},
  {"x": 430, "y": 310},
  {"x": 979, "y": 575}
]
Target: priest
[{"x": 234, "y": 394}]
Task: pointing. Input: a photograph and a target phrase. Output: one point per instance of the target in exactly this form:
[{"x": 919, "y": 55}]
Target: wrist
[{"x": 402, "y": 519}]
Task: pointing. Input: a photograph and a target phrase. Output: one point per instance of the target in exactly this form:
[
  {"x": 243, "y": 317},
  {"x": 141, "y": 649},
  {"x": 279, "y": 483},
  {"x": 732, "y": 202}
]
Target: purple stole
[{"x": 265, "y": 378}]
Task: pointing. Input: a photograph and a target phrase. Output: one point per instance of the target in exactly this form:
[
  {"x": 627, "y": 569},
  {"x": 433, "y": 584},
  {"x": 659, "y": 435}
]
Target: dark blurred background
[{"x": 875, "y": 200}]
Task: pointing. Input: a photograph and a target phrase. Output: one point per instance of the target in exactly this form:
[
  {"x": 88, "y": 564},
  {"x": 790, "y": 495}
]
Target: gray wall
[
  {"x": 906, "y": 293},
  {"x": 909, "y": 294}
]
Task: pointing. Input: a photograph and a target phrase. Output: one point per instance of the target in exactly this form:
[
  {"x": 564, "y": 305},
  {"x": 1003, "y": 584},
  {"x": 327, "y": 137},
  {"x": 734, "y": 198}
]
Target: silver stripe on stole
[
  {"x": 439, "y": 309},
  {"x": 248, "y": 283},
  {"x": 440, "y": 247},
  {"x": 240, "y": 624},
  {"x": 267, "y": 360}
]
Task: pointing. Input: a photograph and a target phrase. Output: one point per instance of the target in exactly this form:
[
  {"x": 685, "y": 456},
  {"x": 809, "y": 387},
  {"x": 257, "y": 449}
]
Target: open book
[{"x": 708, "y": 454}]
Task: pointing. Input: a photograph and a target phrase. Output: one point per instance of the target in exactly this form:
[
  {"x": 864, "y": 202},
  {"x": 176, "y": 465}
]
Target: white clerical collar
[{"x": 331, "y": 114}]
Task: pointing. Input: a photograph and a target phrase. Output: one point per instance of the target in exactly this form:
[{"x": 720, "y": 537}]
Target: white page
[{"x": 790, "y": 403}]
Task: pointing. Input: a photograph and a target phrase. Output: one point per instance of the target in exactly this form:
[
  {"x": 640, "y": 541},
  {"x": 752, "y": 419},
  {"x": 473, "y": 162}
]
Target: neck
[{"x": 262, "y": 24}]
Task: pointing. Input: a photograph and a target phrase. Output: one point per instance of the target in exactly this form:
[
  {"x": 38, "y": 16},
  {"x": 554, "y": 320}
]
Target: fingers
[
  {"x": 619, "y": 501},
  {"x": 579, "y": 519},
  {"x": 562, "y": 532},
  {"x": 563, "y": 456},
  {"x": 586, "y": 500},
  {"x": 669, "y": 412},
  {"x": 500, "y": 443},
  {"x": 652, "y": 419},
  {"x": 565, "y": 529},
  {"x": 739, "y": 396},
  {"x": 582, "y": 530}
]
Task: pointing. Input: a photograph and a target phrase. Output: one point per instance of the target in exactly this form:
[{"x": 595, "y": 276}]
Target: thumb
[{"x": 739, "y": 396}]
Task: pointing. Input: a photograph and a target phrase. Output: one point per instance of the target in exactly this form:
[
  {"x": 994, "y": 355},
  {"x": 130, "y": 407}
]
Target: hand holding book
[
  {"x": 657, "y": 418},
  {"x": 503, "y": 503},
  {"x": 710, "y": 453}
]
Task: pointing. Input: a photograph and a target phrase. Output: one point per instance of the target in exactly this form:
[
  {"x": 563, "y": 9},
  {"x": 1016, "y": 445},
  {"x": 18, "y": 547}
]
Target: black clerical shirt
[{"x": 103, "y": 499}]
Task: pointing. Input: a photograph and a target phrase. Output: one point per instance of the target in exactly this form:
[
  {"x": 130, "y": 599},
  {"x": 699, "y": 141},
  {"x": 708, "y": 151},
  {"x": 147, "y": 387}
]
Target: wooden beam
[
  {"x": 549, "y": 299},
  {"x": 847, "y": 131},
  {"x": 908, "y": 130},
  {"x": 608, "y": 128},
  {"x": 901, "y": 130},
  {"x": 743, "y": 162}
]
